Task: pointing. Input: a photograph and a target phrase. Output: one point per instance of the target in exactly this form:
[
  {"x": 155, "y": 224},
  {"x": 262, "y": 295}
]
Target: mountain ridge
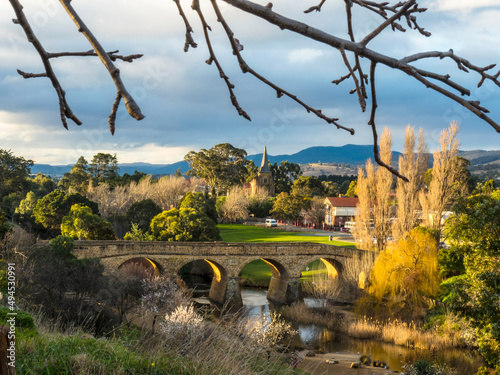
[{"x": 348, "y": 154}]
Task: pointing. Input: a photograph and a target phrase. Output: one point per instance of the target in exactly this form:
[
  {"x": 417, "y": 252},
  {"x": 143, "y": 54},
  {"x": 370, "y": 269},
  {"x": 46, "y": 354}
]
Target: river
[{"x": 466, "y": 362}]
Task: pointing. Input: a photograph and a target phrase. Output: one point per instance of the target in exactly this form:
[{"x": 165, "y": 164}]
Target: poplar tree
[
  {"x": 413, "y": 165},
  {"x": 375, "y": 207},
  {"x": 446, "y": 173}
]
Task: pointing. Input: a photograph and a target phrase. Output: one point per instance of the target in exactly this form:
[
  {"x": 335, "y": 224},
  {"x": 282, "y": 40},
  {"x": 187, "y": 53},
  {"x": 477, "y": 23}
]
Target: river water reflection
[{"x": 311, "y": 336}]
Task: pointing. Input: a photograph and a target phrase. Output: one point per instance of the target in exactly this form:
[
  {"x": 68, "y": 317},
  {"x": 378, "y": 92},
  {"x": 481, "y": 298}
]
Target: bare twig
[
  {"x": 112, "y": 116},
  {"x": 245, "y": 68},
  {"x": 387, "y": 22},
  {"x": 315, "y": 34},
  {"x": 316, "y": 8},
  {"x": 189, "y": 30},
  {"x": 132, "y": 107},
  {"x": 213, "y": 58},
  {"x": 360, "y": 89},
  {"x": 462, "y": 64},
  {"x": 64, "y": 109},
  {"x": 31, "y": 75},
  {"x": 112, "y": 55},
  {"x": 376, "y": 153}
]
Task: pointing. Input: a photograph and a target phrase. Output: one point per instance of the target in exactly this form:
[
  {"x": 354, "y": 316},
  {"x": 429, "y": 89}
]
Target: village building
[
  {"x": 340, "y": 210},
  {"x": 263, "y": 182}
]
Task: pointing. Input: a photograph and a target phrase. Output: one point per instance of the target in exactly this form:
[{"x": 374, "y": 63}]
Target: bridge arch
[
  {"x": 280, "y": 277},
  {"x": 223, "y": 288},
  {"x": 142, "y": 265}
]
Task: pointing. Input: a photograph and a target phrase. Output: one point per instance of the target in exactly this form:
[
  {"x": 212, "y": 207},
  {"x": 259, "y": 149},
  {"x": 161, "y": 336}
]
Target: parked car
[{"x": 271, "y": 223}]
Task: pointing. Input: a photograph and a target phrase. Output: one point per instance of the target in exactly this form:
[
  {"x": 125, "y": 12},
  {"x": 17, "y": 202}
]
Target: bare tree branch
[
  {"x": 245, "y": 68},
  {"x": 213, "y": 58},
  {"x": 112, "y": 55},
  {"x": 316, "y": 8},
  {"x": 360, "y": 89},
  {"x": 64, "y": 109},
  {"x": 392, "y": 14},
  {"x": 132, "y": 107},
  {"x": 189, "y": 30},
  {"x": 315, "y": 34},
  {"x": 376, "y": 153},
  {"x": 387, "y": 22}
]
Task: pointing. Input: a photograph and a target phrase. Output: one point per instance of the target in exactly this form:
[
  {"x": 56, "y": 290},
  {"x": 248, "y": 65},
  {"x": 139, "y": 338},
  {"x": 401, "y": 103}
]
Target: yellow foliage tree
[{"x": 407, "y": 271}]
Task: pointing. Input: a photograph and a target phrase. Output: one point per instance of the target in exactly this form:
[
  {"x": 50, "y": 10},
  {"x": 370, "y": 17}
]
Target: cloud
[
  {"x": 304, "y": 55},
  {"x": 187, "y": 105},
  {"x": 460, "y": 5}
]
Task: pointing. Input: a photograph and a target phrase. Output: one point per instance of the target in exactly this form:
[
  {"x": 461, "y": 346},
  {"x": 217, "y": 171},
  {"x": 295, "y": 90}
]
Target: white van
[
  {"x": 349, "y": 225},
  {"x": 271, "y": 223}
]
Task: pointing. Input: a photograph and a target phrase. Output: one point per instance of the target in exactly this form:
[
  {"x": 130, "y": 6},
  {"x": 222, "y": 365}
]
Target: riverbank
[{"x": 338, "y": 364}]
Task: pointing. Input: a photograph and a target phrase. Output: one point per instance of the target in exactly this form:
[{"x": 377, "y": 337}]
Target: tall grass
[
  {"x": 446, "y": 335},
  {"x": 206, "y": 348}
]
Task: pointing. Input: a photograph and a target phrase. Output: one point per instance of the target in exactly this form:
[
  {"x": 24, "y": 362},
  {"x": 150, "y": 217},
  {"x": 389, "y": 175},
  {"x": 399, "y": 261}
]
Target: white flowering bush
[
  {"x": 268, "y": 331},
  {"x": 182, "y": 321}
]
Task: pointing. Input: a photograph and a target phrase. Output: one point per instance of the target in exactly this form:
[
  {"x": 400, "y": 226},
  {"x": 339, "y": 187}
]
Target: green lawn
[
  {"x": 250, "y": 233},
  {"x": 258, "y": 273}
]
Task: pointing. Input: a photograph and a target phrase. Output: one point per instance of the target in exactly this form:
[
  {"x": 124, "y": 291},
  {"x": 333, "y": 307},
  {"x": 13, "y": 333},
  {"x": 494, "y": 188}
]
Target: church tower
[{"x": 264, "y": 179}]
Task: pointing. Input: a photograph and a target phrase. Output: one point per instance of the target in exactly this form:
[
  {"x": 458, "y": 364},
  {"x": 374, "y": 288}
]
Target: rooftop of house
[{"x": 342, "y": 201}]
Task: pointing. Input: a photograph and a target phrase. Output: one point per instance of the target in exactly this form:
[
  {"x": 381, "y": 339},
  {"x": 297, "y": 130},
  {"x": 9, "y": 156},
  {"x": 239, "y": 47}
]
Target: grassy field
[
  {"x": 258, "y": 273},
  {"x": 250, "y": 233}
]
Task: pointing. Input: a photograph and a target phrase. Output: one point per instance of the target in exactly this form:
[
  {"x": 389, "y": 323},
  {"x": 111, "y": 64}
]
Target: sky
[{"x": 186, "y": 104}]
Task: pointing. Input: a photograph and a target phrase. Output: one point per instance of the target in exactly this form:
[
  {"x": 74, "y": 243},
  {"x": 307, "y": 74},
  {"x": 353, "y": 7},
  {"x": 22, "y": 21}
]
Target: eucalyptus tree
[{"x": 222, "y": 166}]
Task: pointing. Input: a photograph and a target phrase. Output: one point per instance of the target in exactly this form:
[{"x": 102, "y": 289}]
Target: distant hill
[
  {"x": 348, "y": 154},
  {"x": 352, "y": 154}
]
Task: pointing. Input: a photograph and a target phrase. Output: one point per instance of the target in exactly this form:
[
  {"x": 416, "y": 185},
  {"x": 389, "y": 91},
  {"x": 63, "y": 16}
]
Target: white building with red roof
[{"x": 339, "y": 210}]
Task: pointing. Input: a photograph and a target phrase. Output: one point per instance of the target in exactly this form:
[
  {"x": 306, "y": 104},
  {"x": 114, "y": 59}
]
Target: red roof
[{"x": 343, "y": 202}]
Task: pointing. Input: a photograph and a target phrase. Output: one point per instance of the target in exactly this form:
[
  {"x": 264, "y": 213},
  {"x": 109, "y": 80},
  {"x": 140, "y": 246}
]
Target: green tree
[
  {"x": 14, "y": 172},
  {"x": 332, "y": 189},
  {"x": 4, "y": 225},
  {"x": 308, "y": 186},
  {"x": 344, "y": 188},
  {"x": 10, "y": 202},
  {"x": 474, "y": 235},
  {"x": 353, "y": 189},
  {"x": 42, "y": 185},
  {"x": 184, "y": 224},
  {"x": 222, "y": 166},
  {"x": 63, "y": 287},
  {"x": 284, "y": 175},
  {"x": 289, "y": 206},
  {"x": 51, "y": 209},
  {"x": 200, "y": 202},
  {"x": 104, "y": 167},
  {"x": 78, "y": 178},
  {"x": 142, "y": 212},
  {"x": 82, "y": 224},
  {"x": 24, "y": 212},
  {"x": 260, "y": 205},
  {"x": 137, "y": 234},
  {"x": 126, "y": 179}
]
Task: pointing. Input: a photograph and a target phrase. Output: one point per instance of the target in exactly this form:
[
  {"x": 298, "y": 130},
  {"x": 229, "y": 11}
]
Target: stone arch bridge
[{"x": 286, "y": 260}]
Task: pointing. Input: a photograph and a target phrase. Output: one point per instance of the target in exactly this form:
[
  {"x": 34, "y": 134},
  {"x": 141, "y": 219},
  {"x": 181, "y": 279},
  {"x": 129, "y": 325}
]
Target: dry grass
[
  {"x": 405, "y": 334},
  {"x": 188, "y": 346},
  {"x": 452, "y": 333}
]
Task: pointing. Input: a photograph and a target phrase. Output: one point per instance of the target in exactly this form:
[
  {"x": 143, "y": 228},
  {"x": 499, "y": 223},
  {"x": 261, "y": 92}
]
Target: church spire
[{"x": 264, "y": 166}]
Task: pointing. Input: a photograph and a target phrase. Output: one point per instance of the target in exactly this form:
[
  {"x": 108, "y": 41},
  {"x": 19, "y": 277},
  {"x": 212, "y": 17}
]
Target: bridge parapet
[{"x": 103, "y": 249}]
